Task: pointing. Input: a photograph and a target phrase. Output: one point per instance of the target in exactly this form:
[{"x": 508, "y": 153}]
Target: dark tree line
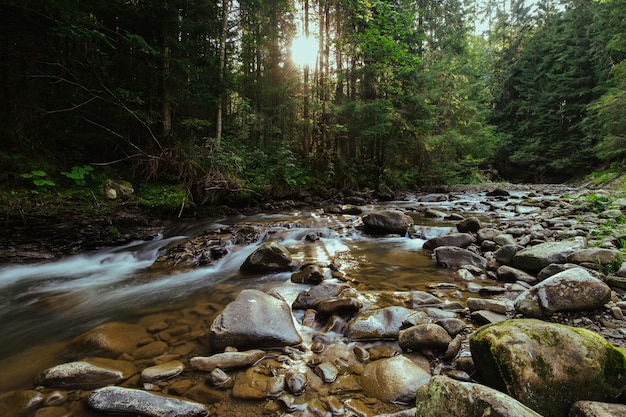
[{"x": 405, "y": 93}]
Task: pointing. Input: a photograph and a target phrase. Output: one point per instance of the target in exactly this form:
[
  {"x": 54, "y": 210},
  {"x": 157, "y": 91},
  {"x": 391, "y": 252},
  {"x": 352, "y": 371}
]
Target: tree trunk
[{"x": 222, "y": 66}]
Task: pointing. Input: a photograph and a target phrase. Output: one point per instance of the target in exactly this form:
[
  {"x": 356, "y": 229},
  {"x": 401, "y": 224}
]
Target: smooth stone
[
  {"x": 497, "y": 306},
  {"x": 453, "y": 326},
  {"x": 150, "y": 350},
  {"x": 423, "y": 298},
  {"x": 254, "y": 320},
  {"x": 424, "y": 336},
  {"x": 312, "y": 297},
  {"x": 571, "y": 290},
  {"x": 594, "y": 255},
  {"x": 461, "y": 240},
  {"x": 162, "y": 371},
  {"x": 469, "y": 225},
  {"x": 87, "y": 373},
  {"x": 327, "y": 371},
  {"x": 382, "y": 323},
  {"x": 268, "y": 257},
  {"x": 348, "y": 305},
  {"x": 597, "y": 409},
  {"x": 134, "y": 401},
  {"x": 387, "y": 221},
  {"x": 509, "y": 274},
  {"x": 453, "y": 257},
  {"x": 534, "y": 258},
  {"x": 226, "y": 360},
  {"x": 505, "y": 253},
  {"x": 393, "y": 380},
  {"x": 487, "y": 317},
  {"x": 447, "y": 397},
  {"x": 311, "y": 274}
]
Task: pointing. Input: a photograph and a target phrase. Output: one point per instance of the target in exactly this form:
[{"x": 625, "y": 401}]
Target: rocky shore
[{"x": 542, "y": 332}]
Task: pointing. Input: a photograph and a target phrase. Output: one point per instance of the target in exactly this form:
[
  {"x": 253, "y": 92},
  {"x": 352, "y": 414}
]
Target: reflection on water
[{"x": 55, "y": 301}]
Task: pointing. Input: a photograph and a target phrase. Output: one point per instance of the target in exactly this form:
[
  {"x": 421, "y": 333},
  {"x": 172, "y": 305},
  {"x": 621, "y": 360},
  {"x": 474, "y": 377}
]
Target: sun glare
[{"x": 304, "y": 51}]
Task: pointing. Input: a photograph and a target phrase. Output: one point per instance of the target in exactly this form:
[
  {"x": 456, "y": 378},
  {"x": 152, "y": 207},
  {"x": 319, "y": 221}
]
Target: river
[{"x": 45, "y": 305}]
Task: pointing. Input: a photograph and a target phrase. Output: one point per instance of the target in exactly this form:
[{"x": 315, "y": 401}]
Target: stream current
[{"x": 45, "y": 305}]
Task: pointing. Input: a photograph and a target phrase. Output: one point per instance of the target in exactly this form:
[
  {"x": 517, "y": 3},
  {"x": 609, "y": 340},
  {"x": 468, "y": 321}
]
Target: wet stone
[
  {"x": 424, "y": 336},
  {"x": 162, "y": 372},
  {"x": 226, "y": 360},
  {"x": 88, "y": 373},
  {"x": 339, "y": 306},
  {"x": 453, "y": 326},
  {"x": 150, "y": 350},
  {"x": 134, "y": 401},
  {"x": 394, "y": 379},
  {"x": 111, "y": 338},
  {"x": 327, "y": 371},
  {"x": 220, "y": 379}
]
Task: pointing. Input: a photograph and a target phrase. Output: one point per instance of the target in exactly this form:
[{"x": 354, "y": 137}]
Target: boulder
[
  {"x": 461, "y": 240},
  {"x": 111, "y": 339},
  {"x": 393, "y": 380},
  {"x": 594, "y": 255},
  {"x": 469, "y": 225},
  {"x": 269, "y": 257},
  {"x": 597, "y": 409},
  {"x": 312, "y": 297},
  {"x": 548, "y": 366},
  {"x": 453, "y": 257},
  {"x": 88, "y": 373},
  {"x": 310, "y": 274},
  {"x": 510, "y": 274},
  {"x": 446, "y": 397},
  {"x": 254, "y": 320},
  {"x": 571, "y": 290},
  {"x": 534, "y": 258},
  {"x": 135, "y": 401},
  {"x": 382, "y": 323},
  {"x": 387, "y": 222},
  {"x": 424, "y": 336}
]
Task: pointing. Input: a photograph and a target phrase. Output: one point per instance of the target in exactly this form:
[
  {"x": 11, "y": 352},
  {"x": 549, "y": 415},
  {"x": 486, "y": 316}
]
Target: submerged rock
[
  {"x": 446, "y": 397},
  {"x": 548, "y": 366},
  {"x": 111, "y": 338},
  {"x": 254, "y": 320},
  {"x": 21, "y": 403},
  {"x": 135, "y": 401}
]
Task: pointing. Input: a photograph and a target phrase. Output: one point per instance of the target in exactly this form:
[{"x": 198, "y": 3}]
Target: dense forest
[{"x": 227, "y": 99}]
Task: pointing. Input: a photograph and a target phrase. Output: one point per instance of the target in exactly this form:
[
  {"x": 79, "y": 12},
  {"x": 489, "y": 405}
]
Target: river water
[{"x": 45, "y": 305}]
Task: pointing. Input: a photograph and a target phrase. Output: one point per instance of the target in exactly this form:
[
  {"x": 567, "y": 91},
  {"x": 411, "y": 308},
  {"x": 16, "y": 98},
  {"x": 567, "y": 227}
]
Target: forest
[{"x": 232, "y": 99}]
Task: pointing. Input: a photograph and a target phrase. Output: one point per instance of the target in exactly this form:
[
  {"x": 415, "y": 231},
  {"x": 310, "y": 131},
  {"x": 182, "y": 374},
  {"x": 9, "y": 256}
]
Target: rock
[
  {"x": 487, "y": 233},
  {"x": 510, "y": 274},
  {"x": 497, "y": 306},
  {"x": 254, "y": 320},
  {"x": 597, "y": 409},
  {"x": 220, "y": 379},
  {"x": 505, "y": 253},
  {"x": 311, "y": 274},
  {"x": 348, "y": 305},
  {"x": 393, "y": 380},
  {"x": 461, "y": 240},
  {"x": 315, "y": 295},
  {"x": 88, "y": 373},
  {"x": 498, "y": 192},
  {"x": 534, "y": 258},
  {"x": 432, "y": 198},
  {"x": 111, "y": 339},
  {"x": 387, "y": 221},
  {"x": 382, "y": 323},
  {"x": 150, "y": 350},
  {"x": 20, "y": 403},
  {"x": 469, "y": 225},
  {"x": 116, "y": 189},
  {"x": 452, "y": 325},
  {"x": 253, "y": 384},
  {"x": 162, "y": 371},
  {"x": 226, "y": 360},
  {"x": 571, "y": 290},
  {"x": 269, "y": 257},
  {"x": 327, "y": 371},
  {"x": 424, "y": 336},
  {"x": 134, "y": 401},
  {"x": 422, "y": 298},
  {"x": 453, "y": 257},
  {"x": 446, "y": 397},
  {"x": 548, "y": 366},
  {"x": 594, "y": 255},
  {"x": 487, "y": 317}
]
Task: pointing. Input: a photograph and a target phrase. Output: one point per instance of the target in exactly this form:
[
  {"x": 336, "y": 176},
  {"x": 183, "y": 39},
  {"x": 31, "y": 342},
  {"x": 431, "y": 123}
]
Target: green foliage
[
  {"x": 39, "y": 179},
  {"x": 78, "y": 173},
  {"x": 162, "y": 196}
]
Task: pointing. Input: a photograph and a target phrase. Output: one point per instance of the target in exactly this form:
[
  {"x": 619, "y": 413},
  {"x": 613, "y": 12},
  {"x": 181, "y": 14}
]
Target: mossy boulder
[
  {"x": 548, "y": 366},
  {"x": 446, "y": 397}
]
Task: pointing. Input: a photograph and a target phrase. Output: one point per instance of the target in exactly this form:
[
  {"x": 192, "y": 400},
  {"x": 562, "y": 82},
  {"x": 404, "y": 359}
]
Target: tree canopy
[{"x": 403, "y": 93}]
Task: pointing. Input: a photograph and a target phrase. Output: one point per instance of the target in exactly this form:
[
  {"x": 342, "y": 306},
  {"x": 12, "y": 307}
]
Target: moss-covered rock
[
  {"x": 446, "y": 397},
  {"x": 548, "y": 366}
]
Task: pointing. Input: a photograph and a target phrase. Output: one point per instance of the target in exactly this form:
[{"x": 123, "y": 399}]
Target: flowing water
[{"x": 45, "y": 305}]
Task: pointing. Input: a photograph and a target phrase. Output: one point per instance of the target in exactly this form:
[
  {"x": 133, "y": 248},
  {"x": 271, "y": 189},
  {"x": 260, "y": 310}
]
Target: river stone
[
  {"x": 226, "y": 360},
  {"x": 469, "y": 225},
  {"x": 594, "y": 255},
  {"x": 487, "y": 233},
  {"x": 111, "y": 338},
  {"x": 20, "y": 403},
  {"x": 312, "y": 297},
  {"x": 382, "y": 323},
  {"x": 452, "y": 325},
  {"x": 505, "y": 253},
  {"x": 387, "y": 221},
  {"x": 534, "y": 258},
  {"x": 548, "y": 366},
  {"x": 254, "y": 320},
  {"x": 453, "y": 257},
  {"x": 433, "y": 198},
  {"x": 135, "y": 401},
  {"x": 253, "y": 384},
  {"x": 268, "y": 257},
  {"x": 460, "y": 240},
  {"x": 311, "y": 274},
  {"x": 424, "y": 336},
  {"x": 393, "y": 380},
  {"x": 347, "y": 305},
  {"x": 162, "y": 371},
  {"x": 597, "y": 409},
  {"x": 446, "y": 397},
  {"x": 88, "y": 373},
  {"x": 509, "y": 274},
  {"x": 150, "y": 350},
  {"x": 571, "y": 290}
]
